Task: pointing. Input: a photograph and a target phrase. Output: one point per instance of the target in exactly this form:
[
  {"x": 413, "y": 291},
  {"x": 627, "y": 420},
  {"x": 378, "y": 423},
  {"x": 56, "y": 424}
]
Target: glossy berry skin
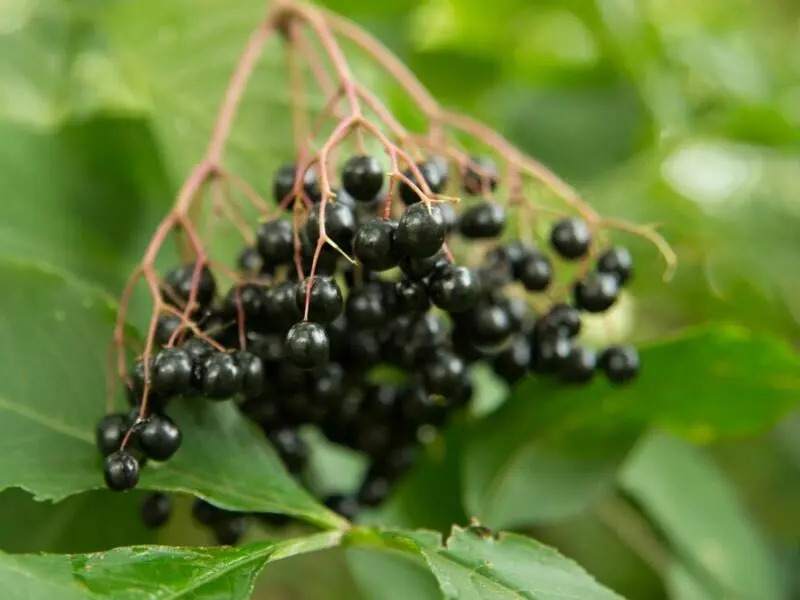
[
  {"x": 489, "y": 325},
  {"x": 340, "y": 224},
  {"x": 252, "y": 369},
  {"x": 249, "y": 262},
  {"x": 326, "y": 301},
  {"x": 110, "y": 431},
  {"x": 597, "y": 292},
  {"x": 374, "y": 245},
  {"x": 580, "y": 366},
  {"x": 343, "y": 505},
  {"x": 172, "y": 372},
  {"x": 362, "y": 178},
  {"x": 417, "y": 269},
  {"x": 571, "y": 238},
  {"x": 121, "y": 471},
  {"x": 548, "y": 354},
  {"x": 365, "y": 308},
  {"x": 562, "y": 319},
  {"x": 229, "y": 528},
  {"x": 178, "y": 284},
  {"x": 222, "y": 376},
  {"x": 205, "y": 513},
  {"x": 484, "y": 220},
  {"x": 159, "y": 438},
  {"x": 275, "y": 242},
  {"x": 155, "y": 510},
  {"x": 443, "y": 374},
  {"x": 291, "y": 448},
  {"x": 246, "y": 301},
  {"x": 512, "y": 362},
  {"x": 481, "y": 177},
  {"x": 509, "y": 256},
  {"x": 454, "y": 288},
  {"x": 434, "y": 176},
  {"x": 166, "y": 326},
  {"x": 620, "y": 364},
  {"x": 307, "y": 345},
  {"x": 410, "y": 297},
  {"x": 198, "y": 351},
  {"x": 421, "y": 231},
  {"x": 535, "y": 272},
  {"x": 280, "y": 307},
  {"x": 284, "y": 182},
  {"x": 616, "y": 261}
]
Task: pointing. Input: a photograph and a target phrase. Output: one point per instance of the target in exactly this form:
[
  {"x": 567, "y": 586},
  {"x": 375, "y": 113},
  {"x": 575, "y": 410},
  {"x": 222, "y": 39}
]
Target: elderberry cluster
[{"x": 295, "y": 353}]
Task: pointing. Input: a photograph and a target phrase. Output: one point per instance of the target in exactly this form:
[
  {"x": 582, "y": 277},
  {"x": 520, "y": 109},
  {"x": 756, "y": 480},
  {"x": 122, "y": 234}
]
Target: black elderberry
[
  {"x": 490, "y": 325},
  {"x": 454, "y": 288},
  {"x": 616, "y": 261},
  {"x": 364, "y": 307},
  {"x": 292, "y": 449},
  {"x": 343, "y": 505},
  {"x": 246, "y": 300},
  {"x": 443, "y": 374},
  {"x": 620, "y": 364},
  {"x": 579, "y": 366},
  {"x": 374, "y": 491},
  {"x": 449, "y": 215},
  {"x": 362, "y": 350},
  {"x": 512, "y": 362},
  {"x": 222, "y": 376},
  {"x": 289, "y": 377},
  {"x": 205, "y": 513},
  {"x": 121, "y": 471},
  {"x": 249, "y": 262},
  {"x": 378, "y": 404},
  {"x": 510, "y": 255},
  {"x": 172, "y": 372},
  {"x": 560, "y": 319},
  {"x": 411, "y": 297},
  {"x": 110, "y": 431},
  {"x": 285, "y": 178},
  {"x": 374, "y": 244},
  {"x": 483, "y": 220},
  {"x": 357, "y": 275},
  {"x": 481, "y": 176},
  {"x": 535, "y": 271},
  {"x": 275, "y": 242},
  {"x": 338, "y": 333},
  {"x": 373, "y": 439},
  {"x": 264, "y": 412},
  {"x": 571, "y": 238},
  {"x": 418, "y": 407},
  {"x": 166, "y": 326},
  {"x": 421, "y": 231},
  {"x": 159, "y": 438},
  {"x": 325, "y": 302},
  {"x": 416, "y": 269},
  {"x": 327, "y": 386},
  {"x": 435, "y": 176},
  {"x": 596, "y": 292},
  {"x": 307, "y": 345},
  {"x": 252, "y": 369},
  {"x": 548, "y": 353},
  {"x": 519, "y": 313},
  {"x": 362, "y": 177},
  {"x": 281, "y": 308},
  {"x": 229, "y": 528},
  {"x": 178, "y": 285},
  {"x": 340, "y": 224},
  {"x": 273, "y": 520},
  {"x": 327, "y": 259},
  {"x": 155, "y": 510}
]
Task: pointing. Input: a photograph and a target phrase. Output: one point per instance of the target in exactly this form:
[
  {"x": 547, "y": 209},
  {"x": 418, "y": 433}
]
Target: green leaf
[
  {"x": 550, "y": 451},
  {"x": 718, "y": 549},
  {"x": 473, "y": 566},
  {"x": 392, "y": 575},
  {"x": 52, "y": 391},
  {"x": 152, "y": 572}
]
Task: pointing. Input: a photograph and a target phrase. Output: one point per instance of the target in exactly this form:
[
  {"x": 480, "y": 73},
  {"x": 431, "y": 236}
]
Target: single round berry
[
  {"x": 443, "y": 374},
  {"x": 421, "y": 231},
  {"x": 326, "y": 301},
  {"x": 579, "y": 366},
  {"x": 275, "y": 242},
  {"x": 307, "y": 345},
  {"x": 484, "y": 220},
  {"x": 454, "y": 288},
  {"x": 549, "y": 353},
  {"x": 620, "y": 363},
  {"x": 374, "y": 244},
  {"x": 343, "y": 505},
  {"x": 481, "y": 176},
  {"x": 374, "y": 491},
  {"x": 535, "y": 272},
  {"x": 571, "y": 238},
  {"x": 362, "y": 178},
  {"x": 509, "y": 257},
  {"x": 180, "y": 281},
  {"x": 292, "y": 448},
  {"x": 205, "y": 513},
  {"x": 597, "y": 292},
  {"x": 155, "y": 510},
  {"x": 416, "y": 269},
  {"x": 121, "y": 471},
  {"x": 230, "y": 528},
  {"x": 285, "y": 178},
  {"x": 364, "y": 307},
  {"x": 519, "y": 313},
  {"x": 252, "y": 369},
  {"x": 166, "y": 326},
  {"x": 489, "y": 324},
  {"x": 222, "y": 376},
  {"x": 249, "y": 262},
  {"x": 246, "y": 301},
  {"x": 616, "y": 261},
  {"x": 172, "y": 372},
  {"x": 512, "y": 362},
  {"x": 159, "y": 438},
  {"x": 561, "y": 319},
  {"x": 280, "y": 307},
  {"x": 434, "y": 174},
  {"x": 340, "y": 224},
  {"x": 411, "y": 297},
  {"x": 110, "y": 432}
]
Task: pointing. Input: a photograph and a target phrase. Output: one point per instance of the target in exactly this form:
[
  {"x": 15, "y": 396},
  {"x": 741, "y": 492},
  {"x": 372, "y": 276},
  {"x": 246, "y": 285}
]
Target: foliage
[{"x": 682, "y": 113}]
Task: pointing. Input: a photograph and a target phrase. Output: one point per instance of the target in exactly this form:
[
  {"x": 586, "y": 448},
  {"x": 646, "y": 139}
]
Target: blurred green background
[{"x": 679, "y": 112}]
